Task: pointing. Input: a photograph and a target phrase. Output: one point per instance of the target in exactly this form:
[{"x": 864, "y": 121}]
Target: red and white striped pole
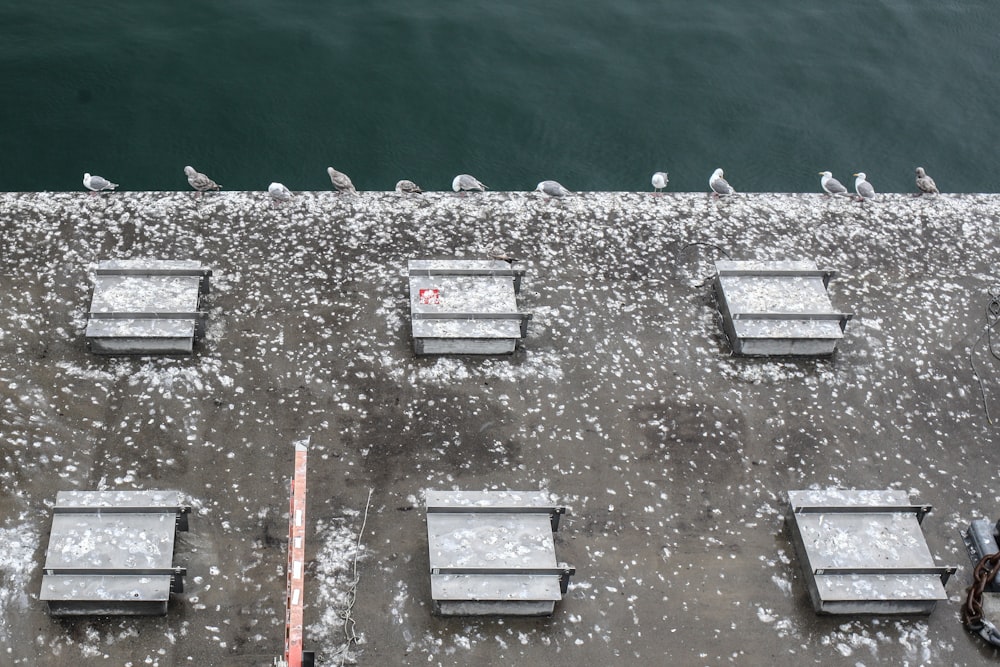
[{"x": 296, "y": 561}]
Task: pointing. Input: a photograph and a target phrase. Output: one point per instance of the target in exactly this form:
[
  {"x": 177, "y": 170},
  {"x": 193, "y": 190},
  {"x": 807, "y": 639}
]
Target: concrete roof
[{"x": 624, "y": 402}]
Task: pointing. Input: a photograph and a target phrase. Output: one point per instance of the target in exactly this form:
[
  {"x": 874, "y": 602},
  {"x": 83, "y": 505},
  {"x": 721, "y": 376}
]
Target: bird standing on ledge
[
  {"x": 97, "y": 183},
  {"x": 660, "y": 180},
  {"x": 720, "y": 187},
  {"x": 831, "y": 185},
  {"x": 199, "y": 181},
  {"x": 552, "y": 189},
  {"x": 279, "y": 194},
  {"x": 340, "y": 180},
  {"x": 925, "y": 183},
  {"x": 863, "y": 187},
  {"x": 408, "y": 187},
  {"x": 464, "y": 182}
]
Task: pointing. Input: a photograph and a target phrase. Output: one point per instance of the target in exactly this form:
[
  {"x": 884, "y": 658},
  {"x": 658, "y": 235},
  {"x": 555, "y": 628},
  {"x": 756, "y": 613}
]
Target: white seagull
[
  {"x": 552, "y": 189},
  {"x": 925, "y": 183},
  {"x": 340, "y": 180},
  {"x": 408, "y": 186},
  {"x": 660, "y": 180},
  {"x": 97, "y": 183},
  {"x": 863, "y": 187},
  {"x": 464, "y": 182},
  {"x": 279, "y": 193},
  {"x": 200, "y": 181},
  {"x": 719, "y": 185},
  {"x": 831, "y": 185}
]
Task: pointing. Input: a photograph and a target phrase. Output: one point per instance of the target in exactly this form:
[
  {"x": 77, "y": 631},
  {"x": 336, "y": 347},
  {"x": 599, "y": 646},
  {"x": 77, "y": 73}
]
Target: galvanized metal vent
[
  {"x": 111, "y": 553},
  {"x": 492, "y": 552},
  {"x": 147, "y": 306},
  {"x": 465, "y": 306},
  {"x": 778, "y": 308},
  {"x": 863, "y": 552}
]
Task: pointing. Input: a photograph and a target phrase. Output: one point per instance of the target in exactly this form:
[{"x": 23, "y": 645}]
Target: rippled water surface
[{"x": 596, "y": 95}]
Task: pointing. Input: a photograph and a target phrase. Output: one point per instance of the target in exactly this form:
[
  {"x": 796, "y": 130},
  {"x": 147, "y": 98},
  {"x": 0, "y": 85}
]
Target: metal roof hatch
[
  {"x": 863, "y": 552},
  {"x": 111, "y": 553},
  {"x": 147, "y": 306},
  {"x": 493, "y": 553},
  {"x": 465, "y": 306},
  {"x": 778, "y": 308}
]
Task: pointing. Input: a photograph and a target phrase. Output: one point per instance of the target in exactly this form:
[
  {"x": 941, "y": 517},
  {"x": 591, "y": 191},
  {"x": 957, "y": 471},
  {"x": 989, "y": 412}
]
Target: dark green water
[{"x": 596, "y": 95}]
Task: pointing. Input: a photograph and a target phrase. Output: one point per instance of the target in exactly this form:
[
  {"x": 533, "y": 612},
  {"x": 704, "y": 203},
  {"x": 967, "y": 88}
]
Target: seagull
[
  {"x": 500, "y": 255},
  {"x": 199, "y": 181},
  {"x": 863, "y": 187},
  {"x": 279, "y": 193},
  {"x": 552, "y": 189},
  {"x": 925, "y": 183},
  {"x": 466, "y": 182},
  {"x": 97, "y": 183},
  {"x": 831, "y": 185},
  {"x": 340, "y": 180},
  {"x": 660, "y": 180},
  {"x": 408, "y": 186},
  {"x": 719, "y": 185}
]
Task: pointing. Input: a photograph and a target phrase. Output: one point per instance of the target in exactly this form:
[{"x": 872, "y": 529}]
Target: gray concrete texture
[{"x": 673, "y": 456}]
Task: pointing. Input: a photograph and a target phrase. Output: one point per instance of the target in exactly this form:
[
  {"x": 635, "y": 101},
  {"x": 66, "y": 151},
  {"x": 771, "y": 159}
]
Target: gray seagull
[
  {"x": 500, "y": 255},
  {"x": 552, "y": 189},
  {"x": 279, "y": 193},
  {"x": 340, "y": 180},
  {"x": 719, "y": 185},
  {"x": 97, "y": 183},
  {"x": 831, "y": 185},
  {"x": 408, "y": 186},
  {"x": 200, "y": 181},
  {"x": 464, "y": 182},
  {"x": 660, "y": 180},
  {"x": 863, "y": 187},
  {"x": 925, "y": 183}
]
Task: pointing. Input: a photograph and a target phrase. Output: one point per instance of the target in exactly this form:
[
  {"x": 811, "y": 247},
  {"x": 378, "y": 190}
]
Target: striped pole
[{"x": 296, "y": 560}]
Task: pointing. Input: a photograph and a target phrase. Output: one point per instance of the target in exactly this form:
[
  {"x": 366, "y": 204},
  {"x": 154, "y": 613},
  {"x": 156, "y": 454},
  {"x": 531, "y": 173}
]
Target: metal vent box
[
  {"x": 863, "y": 552},
  {"x": 778, "y": 308},
  {"x": 465, "y": 306},
  {"x": 492, "y": 552},
  {"x": 111, "y": 553},
  {"x": 147, "y": 306}
]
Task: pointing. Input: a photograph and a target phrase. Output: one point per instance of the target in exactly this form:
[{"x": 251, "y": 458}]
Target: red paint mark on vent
[{"x": 430, "y": 297}]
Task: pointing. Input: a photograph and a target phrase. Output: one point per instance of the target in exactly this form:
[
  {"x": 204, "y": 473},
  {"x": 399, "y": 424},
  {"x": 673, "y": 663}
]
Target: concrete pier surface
[{"x": 673, "y": 456}]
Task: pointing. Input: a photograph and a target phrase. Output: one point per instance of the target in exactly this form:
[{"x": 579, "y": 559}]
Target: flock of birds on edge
[{"x": 550, "y": 189}]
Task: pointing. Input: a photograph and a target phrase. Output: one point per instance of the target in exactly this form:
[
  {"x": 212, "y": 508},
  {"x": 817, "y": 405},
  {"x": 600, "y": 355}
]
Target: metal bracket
[
  {"x": 203, "y": 273},
  {"x": 920, "y": 510},
  {"x": 199, "y": 317},
  {"x": 843, "y": 318},
  {"x": 944, "y": 572},
  {"x": 182, "y": 518},
  {"x": 826, "y": 274},
  {"x": 516, "y": 274},
  {"x": 523, "y": 317},
  {"x": 181, "y": 511},
  {"x": 177, "y": 580},
  {"x": 554, "y": 512},
  {"x": 176, "y": 574},
  {"x": 446, "y": 271},
  {"x": 564, "y": 572}
]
